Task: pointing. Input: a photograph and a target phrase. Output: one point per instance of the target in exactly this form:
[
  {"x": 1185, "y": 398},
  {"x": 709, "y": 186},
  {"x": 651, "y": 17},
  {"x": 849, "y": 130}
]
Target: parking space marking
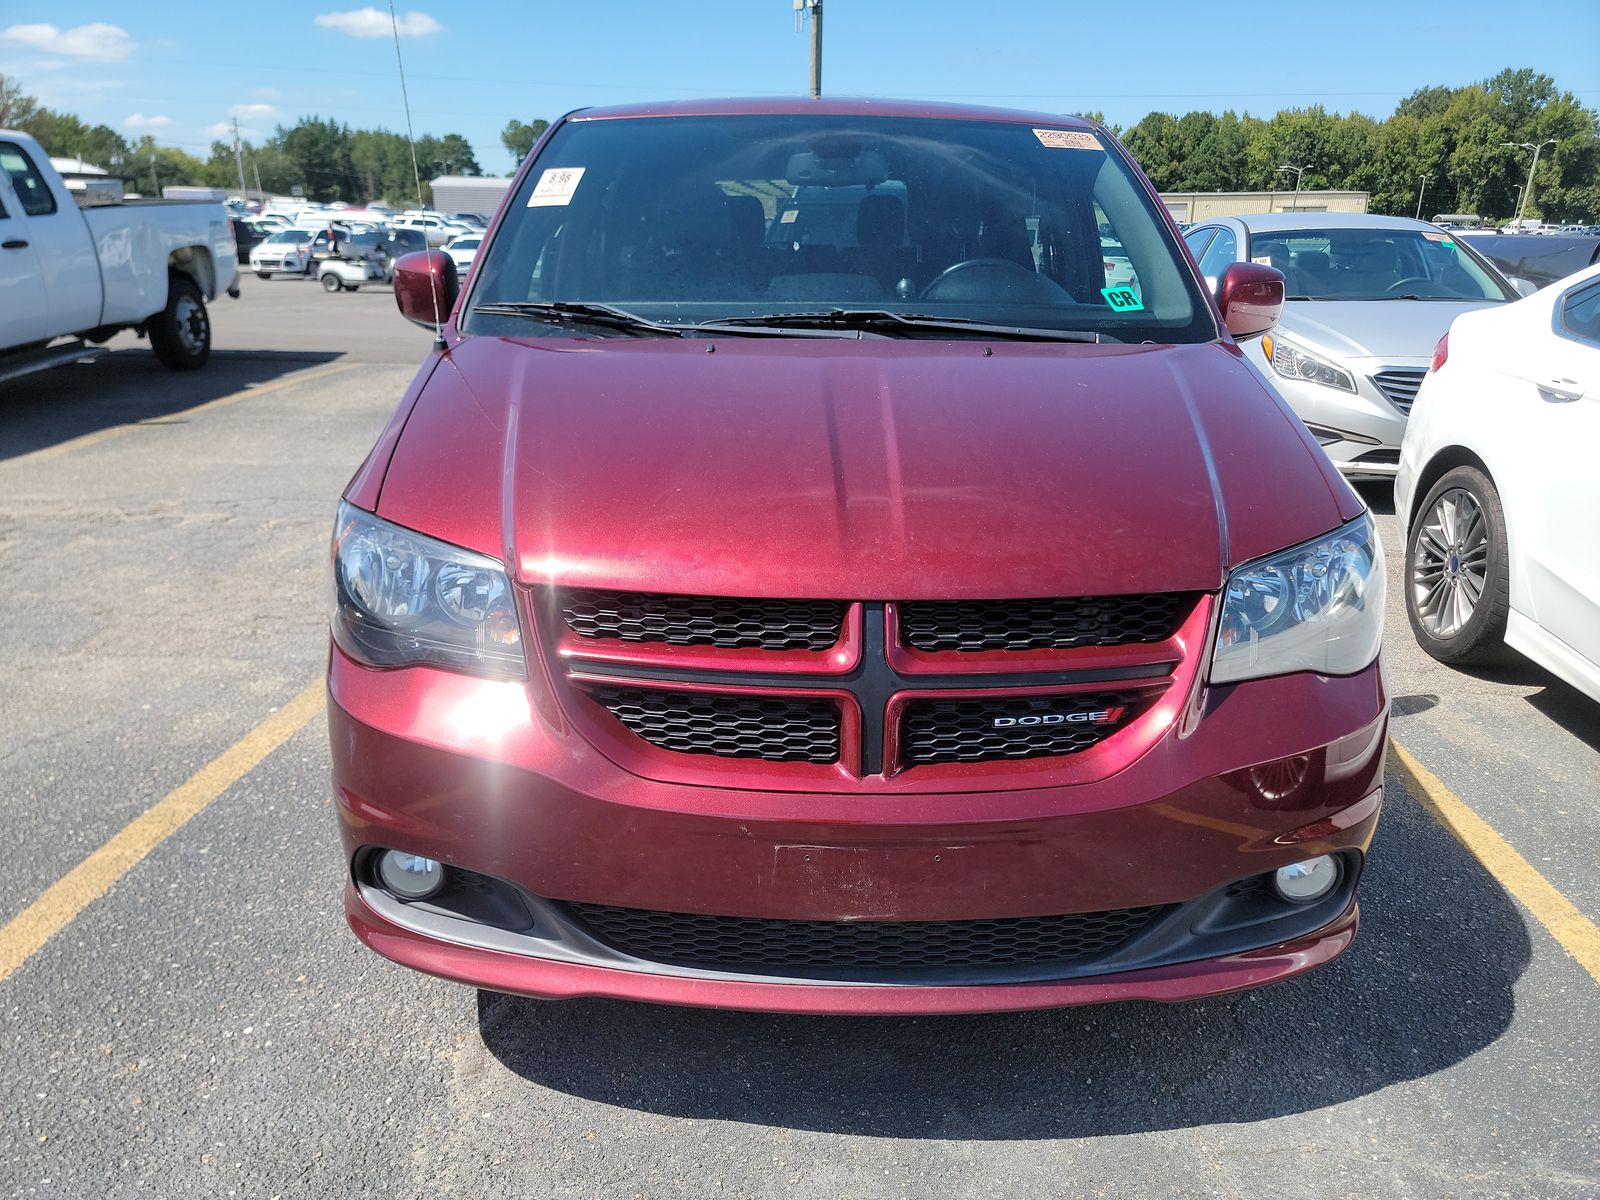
[
  {"x": 104, "y": 435},
  {"x": 1578, "y": 935},
  {"x": 63, "y": 900}
]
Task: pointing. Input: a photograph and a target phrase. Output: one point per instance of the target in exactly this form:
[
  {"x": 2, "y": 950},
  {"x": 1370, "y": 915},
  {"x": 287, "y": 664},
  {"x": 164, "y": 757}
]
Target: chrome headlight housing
[
  {"x": 402, "y": 599},
  {"x": 1315, "y": 607},
  {"x": 1293, "y": 361}
]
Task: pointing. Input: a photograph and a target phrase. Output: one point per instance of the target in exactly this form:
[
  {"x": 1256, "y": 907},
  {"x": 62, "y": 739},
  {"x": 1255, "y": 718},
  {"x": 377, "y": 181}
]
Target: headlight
[
  {"x": 402, "y": 599},
  {"x": 1317, "y": 607},
  {"x": 1296, "y": 362}
]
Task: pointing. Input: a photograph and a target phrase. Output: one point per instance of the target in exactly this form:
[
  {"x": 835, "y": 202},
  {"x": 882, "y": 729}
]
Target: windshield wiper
[
  {"x": 884, "y": 321},
  {"x": 573, "y": 312}
]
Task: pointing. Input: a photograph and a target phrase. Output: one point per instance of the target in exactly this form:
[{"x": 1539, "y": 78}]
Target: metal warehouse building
[{"x": 1188, "y": 207}]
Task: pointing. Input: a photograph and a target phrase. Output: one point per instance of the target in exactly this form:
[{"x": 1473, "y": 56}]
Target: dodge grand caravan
[{"x": 870, "y": 609}]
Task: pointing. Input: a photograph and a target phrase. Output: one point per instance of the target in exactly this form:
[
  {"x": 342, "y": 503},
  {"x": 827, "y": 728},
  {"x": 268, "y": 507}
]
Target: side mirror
[
  {"x": 1251, "y": 298},
  {"x": 1525, "y": 287},
  {"x": 425, "y": 286}
]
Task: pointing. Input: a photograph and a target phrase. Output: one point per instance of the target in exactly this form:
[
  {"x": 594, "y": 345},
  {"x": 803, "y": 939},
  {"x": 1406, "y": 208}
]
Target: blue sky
[{"x": 178, "y": 70}]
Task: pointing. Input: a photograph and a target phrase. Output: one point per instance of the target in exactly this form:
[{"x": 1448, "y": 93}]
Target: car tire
[
  {"x": 180, "y": 334},
  {"x": 1457, "y": 570},
  {"x": 352, "y": 287},
  {"x": 263, "y": 274},
  {"x": 331, "y": 282}
]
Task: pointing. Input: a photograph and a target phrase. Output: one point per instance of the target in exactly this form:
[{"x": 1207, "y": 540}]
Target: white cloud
[
  {"x": 140, "y": 121},
  {"x": 224, "y": 130},
  {"x": 371, "y": 23},
  {"x": 104, "y": 43},
  {"x": 253, "y": 111}
]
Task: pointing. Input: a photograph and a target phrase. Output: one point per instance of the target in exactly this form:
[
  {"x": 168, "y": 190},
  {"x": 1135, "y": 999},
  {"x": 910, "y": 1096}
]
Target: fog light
[
  {"x": 410, "y": 876},
  {"x": 1303, "y": 882}
]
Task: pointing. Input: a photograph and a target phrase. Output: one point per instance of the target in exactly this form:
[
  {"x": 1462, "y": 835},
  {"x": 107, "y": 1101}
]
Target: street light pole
[
  {"x": 1298, "y": 172},
  {"x": 1527, "y": 192},
  {"x": 1421, "y": 192}
]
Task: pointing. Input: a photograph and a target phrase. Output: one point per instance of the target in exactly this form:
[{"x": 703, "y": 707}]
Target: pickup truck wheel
[
  {"x": 331, "y": 282},
  {"x": 180, "y": 334}
]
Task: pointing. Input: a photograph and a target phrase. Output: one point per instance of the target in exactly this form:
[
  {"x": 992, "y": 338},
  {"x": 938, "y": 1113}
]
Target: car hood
[
  {"x": 1384, "y": 329},
  {"x": 858, "y": 468}
]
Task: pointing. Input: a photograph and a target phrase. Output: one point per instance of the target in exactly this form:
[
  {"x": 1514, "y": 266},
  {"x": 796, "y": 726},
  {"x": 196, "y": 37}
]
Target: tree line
[{"x": 1441, "y": 146}]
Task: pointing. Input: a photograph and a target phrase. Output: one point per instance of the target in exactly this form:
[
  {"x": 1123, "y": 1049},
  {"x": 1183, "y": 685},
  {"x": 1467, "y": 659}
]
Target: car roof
[
  {"x": 828, "y": 106},
  {"x": 1278, "y": 222}
]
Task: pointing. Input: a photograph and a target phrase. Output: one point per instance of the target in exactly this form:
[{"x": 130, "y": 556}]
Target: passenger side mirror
[
  {"x": 1251, "y": 298},
  {"x": 425, "y": 286}
]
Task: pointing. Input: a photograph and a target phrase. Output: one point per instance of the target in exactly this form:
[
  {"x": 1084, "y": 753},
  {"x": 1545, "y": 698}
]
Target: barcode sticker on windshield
[
  {"x": 1444, "y": 239},
  {"x": 1068, "y": 139},
  {"x": 555, "y": 187}
]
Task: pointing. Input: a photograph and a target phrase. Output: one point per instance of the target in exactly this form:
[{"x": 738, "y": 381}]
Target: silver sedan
[{"x": 1368, "y": 299}]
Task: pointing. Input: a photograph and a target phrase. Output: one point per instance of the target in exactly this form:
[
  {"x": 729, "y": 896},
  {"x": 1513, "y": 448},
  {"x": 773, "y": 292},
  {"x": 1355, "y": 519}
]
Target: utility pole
[
  {"x": 1421, "y": 192},
  {"x": 155, "y": 184},
  {"x": 1527, "y": 192},
  {"x": 238, "y": 157},
  {"x": 814, "y": 8}
]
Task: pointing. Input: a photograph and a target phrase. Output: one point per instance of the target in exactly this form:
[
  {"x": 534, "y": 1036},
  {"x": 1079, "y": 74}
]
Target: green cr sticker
[{"x": 1122, "y": 299}]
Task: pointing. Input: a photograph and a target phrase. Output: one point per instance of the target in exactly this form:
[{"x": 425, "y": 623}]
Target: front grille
[
  {"x": 1400, "y": 384},
  {"x": 772, "y": 728},
  {"x": 985, "y": 730},
  {"x": 703, "y": 620},
  {"x": 845, "y": 949},
  {"x": 971, "y": 625}
]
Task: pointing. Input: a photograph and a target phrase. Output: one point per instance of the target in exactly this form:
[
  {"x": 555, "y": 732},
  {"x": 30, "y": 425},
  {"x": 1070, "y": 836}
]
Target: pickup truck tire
[{"x": 180, "y": 334}]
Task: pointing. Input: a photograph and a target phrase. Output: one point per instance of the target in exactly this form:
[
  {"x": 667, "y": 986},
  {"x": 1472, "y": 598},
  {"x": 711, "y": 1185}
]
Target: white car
[
  {"x": 287, "y": 250},
  {"x": 1498, "y": 495},
  {"x": 462, "y": 250},
  {"x": 348, "y": 274}
]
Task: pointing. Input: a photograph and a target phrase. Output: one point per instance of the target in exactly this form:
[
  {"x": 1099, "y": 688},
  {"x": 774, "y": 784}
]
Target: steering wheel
[
  {"x": 1400, "y": 283},
  {"x": 1010, "y": 274}
]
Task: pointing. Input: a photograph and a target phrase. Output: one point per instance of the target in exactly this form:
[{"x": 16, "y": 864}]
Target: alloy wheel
[{"x": 1450, "y": 568}]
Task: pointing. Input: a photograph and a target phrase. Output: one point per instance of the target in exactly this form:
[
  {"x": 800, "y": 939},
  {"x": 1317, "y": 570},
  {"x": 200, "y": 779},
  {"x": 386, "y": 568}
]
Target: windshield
[
  {"x": 1375, "y": 264},
  {"x": 290, "y": 235},
  {"x": 700, "y": 219}
]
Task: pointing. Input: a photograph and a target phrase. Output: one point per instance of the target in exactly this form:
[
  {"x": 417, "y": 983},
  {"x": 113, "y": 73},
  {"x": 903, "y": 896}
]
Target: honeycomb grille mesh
[
  {"x": 990, "y": 729},
  {"x": 728, "y": 726},
  {"x": 971, "y": 625},
  {"x": 703, "y": 620},
  {"x": 846, "y": 949}
]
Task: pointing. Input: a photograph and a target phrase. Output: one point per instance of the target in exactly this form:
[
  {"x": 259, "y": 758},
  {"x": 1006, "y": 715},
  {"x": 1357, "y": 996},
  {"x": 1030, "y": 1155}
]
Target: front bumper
[{"x": 482, "y": 775}]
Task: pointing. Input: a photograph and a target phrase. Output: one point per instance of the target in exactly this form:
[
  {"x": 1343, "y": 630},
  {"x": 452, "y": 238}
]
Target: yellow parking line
[
  {"x": 1578, "y": 935},
  {"x": 92, "y": 878},
  {"x": 104, "y": 435}
]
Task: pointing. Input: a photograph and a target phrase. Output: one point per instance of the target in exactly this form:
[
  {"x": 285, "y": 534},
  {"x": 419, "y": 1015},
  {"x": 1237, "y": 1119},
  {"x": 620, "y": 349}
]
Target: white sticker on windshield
[
  {"x": 1068, "y": 139},
  {"x": 555, "y": 187}
]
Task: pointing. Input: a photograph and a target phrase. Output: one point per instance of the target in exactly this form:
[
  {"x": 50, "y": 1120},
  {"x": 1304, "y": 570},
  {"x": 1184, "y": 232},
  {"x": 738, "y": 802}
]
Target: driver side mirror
[
  {"x": 425, "y": 286},
  {"x": 1525, "y": 287},
  {"x": 1250, "y": 297}
]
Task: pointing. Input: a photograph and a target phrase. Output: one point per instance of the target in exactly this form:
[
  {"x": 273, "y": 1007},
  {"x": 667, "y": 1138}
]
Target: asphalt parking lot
[{"x": 205, "y": 1025}]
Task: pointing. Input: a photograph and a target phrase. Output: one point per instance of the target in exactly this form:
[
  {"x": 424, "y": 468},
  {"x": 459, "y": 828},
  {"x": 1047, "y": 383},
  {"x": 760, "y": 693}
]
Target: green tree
[
  {"x": 16, "y": 107},
  {"x": 518, "y": 137}
]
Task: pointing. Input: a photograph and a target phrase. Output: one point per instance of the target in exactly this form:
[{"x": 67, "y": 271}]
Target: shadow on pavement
[
  {"x": 1378, "y": 495},
  {"x": 126, "y": 387},
  {"x": 1569, "y": 708},
  {"x": 1427, "y": 984}
]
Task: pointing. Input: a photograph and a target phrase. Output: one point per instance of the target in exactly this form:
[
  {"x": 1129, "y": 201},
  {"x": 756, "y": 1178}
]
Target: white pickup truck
[{"x": 84, "y": 274}]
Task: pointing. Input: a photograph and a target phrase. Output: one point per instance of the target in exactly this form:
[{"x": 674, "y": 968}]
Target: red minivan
[{"x": 800, "y": 579}]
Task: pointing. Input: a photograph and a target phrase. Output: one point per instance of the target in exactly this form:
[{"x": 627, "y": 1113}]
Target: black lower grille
[
  {"x": 703, "y": 620},
  {"x": 972, "y": 625},
  {"x": 847, "y": 949},
  {"x": 969, "y": 731},
  {"x": 773, "y": 728}
]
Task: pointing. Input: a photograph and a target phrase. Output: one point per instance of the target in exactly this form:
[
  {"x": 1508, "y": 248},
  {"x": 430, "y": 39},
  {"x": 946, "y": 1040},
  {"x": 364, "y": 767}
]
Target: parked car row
[{"x": 343, "y": 256}]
